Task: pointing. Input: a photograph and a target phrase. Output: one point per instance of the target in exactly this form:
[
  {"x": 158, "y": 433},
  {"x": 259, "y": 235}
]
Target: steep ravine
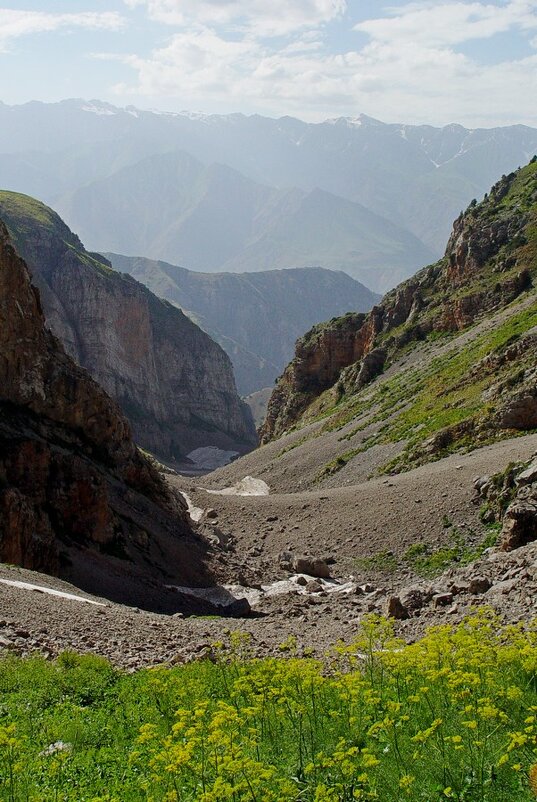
[
  {"x": 77, "y": 498},
  {"x": 171, "y": 380}
]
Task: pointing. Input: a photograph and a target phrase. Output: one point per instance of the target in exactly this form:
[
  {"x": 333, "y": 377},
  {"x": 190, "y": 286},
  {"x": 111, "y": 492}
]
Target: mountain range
[
  {"x": 415, "y": 179},
  {"x": 165, "y": 205},
  {"x": 446, "y": 361}
]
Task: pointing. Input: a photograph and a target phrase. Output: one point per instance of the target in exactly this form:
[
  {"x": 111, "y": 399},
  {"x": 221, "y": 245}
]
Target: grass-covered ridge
[
  {"x": 31, "y": 223},
  {"x": 451, "y": 374},
  {"x": 452, "y": 717}
]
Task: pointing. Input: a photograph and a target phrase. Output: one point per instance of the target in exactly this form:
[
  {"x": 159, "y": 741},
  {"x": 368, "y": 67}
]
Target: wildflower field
[{"x": 452, "y": 717}]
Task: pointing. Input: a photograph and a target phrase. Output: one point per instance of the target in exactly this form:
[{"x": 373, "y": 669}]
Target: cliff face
[
  {"x": 256, "y": 317},
  {"x": 172, "y": 381},
  {"x": 77, "y": 498},
  {"x": 489, "y": 261}
]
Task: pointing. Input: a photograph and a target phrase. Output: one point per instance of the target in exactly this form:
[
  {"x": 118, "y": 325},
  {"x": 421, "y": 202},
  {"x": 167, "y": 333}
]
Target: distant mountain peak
[{"x": 355, "y": 122}]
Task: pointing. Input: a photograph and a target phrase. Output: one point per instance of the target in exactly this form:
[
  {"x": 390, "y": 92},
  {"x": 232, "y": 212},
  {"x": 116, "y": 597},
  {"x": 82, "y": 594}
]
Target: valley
[{"x": 186, "y": 582}]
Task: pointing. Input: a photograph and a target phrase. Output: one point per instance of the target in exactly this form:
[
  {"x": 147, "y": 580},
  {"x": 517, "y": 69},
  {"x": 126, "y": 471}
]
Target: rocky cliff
[
  {"x": 77, "y": 498},
  {"x": 256, "y": 317},
  {"x": 174, "y": 384},
  {"x": 490, "y": 261}
]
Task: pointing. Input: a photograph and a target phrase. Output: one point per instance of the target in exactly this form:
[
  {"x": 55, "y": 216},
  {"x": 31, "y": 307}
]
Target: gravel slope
[{"x": 345, "y": 523}]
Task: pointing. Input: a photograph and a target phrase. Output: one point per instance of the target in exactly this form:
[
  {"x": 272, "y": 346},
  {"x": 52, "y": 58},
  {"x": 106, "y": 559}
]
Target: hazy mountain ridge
[
  {"x": 171, "y": 207},
  {"x": 418, "y": 177},
  {"x": 256, "y": 317},
  {"x": 172, "y": 381}
]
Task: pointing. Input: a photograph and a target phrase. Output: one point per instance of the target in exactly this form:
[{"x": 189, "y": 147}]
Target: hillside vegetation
[{"x": 446, "y": 361}]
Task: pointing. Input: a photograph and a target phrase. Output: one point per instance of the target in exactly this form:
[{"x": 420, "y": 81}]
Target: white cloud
[
  {"x": 409, "y": 70},
  {"x": 14, "y": 24},
  {"x": 260, "y": 17},
  {"x": 446, "y": 24}
]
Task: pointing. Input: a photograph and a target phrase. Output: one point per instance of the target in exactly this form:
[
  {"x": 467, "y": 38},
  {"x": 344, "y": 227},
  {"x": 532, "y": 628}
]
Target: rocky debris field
[{"x": 309, "y": 566}]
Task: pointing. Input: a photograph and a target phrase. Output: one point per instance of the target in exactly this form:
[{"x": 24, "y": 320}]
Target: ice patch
[
  {"x": 283, "y": 587},
  {"x": 246, "y": 487},
  {"x": 28, "y": 586},
  {"x": 194, "y": 512},
  {"x": 209, "y": 458},
  {"x": 101, "y": 111}
]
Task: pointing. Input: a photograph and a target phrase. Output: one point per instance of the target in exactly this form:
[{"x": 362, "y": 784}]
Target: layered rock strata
[{"x": 484, "y": 269}]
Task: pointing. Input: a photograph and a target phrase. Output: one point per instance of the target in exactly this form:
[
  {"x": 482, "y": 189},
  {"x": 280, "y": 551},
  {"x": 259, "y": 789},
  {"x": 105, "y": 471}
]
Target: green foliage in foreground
[{"x": 452, "y": 717}]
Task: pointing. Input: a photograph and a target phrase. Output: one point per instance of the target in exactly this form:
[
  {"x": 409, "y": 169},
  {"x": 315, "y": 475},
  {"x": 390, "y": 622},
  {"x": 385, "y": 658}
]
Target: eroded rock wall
[
  {"x": 77, "y": 498},
  {"x": 174, "y": 383}
]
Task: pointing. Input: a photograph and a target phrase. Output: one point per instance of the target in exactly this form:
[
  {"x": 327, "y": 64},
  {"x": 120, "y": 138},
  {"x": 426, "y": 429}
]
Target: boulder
[
  {"x": 479, "y": 584},
  {"x": 312, "y": 566},
  {"x": 519, "y": 525},
  {"x": 416, "y": 596},
  {"x": 285, "y": 560},
  {"x": 395, "y": 609},
  {"x": 528, "y": 475},
  {"x": 238, "y": 608}
]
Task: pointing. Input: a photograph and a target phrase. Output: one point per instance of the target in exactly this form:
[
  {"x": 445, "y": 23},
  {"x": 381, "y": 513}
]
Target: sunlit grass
[{"x": 451, "y": 717}]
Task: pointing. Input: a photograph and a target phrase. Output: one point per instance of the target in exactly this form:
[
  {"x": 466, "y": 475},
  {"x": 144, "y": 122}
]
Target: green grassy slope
[{"x": 478, "y": 375}]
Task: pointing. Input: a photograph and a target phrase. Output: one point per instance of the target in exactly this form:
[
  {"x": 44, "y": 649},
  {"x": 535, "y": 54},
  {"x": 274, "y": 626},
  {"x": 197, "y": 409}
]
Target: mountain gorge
[
  {"x": 174, "y": 384},
  {"x": 414, "y": 180},
  {"x": 77, "y": 498},
  {"x": 256, "y": 317}
]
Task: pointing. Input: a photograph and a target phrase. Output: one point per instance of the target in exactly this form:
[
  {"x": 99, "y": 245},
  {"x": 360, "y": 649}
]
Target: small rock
[
  {"x": 285, "y": 560},
  {"x": 57, "y": 746},
  {"x": 211, "y": 513},
  {"x": 459, "y": 587},
  {"x": 504, "y": 588},
  {"x": 301, "y": 580},
  {"x": 313, "y": 587},
  {"x": 442, "y": 599}
]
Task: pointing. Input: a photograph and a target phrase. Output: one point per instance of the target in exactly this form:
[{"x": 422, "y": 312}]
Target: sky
[{"x": 438, "y": 62}]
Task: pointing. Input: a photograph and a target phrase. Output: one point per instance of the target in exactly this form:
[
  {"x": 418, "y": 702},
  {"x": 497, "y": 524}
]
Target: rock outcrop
[
  {"x": 488, "y": 263},
  {"x": 77, "y": 498},
  {"x": 174, "y": 384},
  {"x": 510, "y": 498}
]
